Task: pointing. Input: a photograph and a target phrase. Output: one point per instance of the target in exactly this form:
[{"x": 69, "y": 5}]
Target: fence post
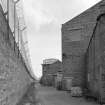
[{"x": 8, "y": 19}]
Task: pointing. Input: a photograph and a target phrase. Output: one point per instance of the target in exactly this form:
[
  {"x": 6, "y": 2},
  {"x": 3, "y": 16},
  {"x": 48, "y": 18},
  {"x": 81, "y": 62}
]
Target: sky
[{"x": 44, "y": 19}]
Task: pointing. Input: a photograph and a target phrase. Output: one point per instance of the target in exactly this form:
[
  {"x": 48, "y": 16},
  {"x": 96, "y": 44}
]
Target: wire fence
[{"x": 13, "y": 12}]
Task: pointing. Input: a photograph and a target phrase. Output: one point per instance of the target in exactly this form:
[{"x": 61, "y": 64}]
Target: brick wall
[
  {"x": 14, "y": 76},
  {"x": 74, "y": 63}
]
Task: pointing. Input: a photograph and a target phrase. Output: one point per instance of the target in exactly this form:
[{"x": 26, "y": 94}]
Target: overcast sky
[{"x": 43, "y": 20}]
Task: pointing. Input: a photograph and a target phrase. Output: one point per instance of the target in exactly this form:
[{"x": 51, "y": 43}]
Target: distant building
[
  {"x": 76, "y": 35},
  {"x": 50, "y": 67}
]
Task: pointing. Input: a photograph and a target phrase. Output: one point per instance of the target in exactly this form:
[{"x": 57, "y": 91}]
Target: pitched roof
[{"x": 50, "y": 61}]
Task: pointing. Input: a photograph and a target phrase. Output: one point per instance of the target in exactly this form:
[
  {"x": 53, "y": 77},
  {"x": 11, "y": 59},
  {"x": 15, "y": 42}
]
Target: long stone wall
[{"x": 14, "y": 76}]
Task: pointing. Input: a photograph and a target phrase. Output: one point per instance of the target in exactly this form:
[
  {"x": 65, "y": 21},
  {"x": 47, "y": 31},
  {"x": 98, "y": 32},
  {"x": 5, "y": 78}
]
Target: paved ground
[
  {"x": 50, "y": 96},
  {"x": 39, "y": 95}
]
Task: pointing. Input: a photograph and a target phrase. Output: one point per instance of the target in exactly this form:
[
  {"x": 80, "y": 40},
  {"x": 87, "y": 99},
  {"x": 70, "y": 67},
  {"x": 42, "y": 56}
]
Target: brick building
[
  {"x": 95, "y": 58},
  {"x": 76, "y": 35},
  {"x": 50, "y": 67}
]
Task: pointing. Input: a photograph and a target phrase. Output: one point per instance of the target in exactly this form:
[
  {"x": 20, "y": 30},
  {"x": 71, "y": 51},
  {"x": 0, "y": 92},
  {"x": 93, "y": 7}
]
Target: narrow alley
[{"x": 52, "y": 52}]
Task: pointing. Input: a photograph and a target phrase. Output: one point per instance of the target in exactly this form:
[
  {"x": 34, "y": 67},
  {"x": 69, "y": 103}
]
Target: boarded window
[{"x": 75, "y": 34}]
